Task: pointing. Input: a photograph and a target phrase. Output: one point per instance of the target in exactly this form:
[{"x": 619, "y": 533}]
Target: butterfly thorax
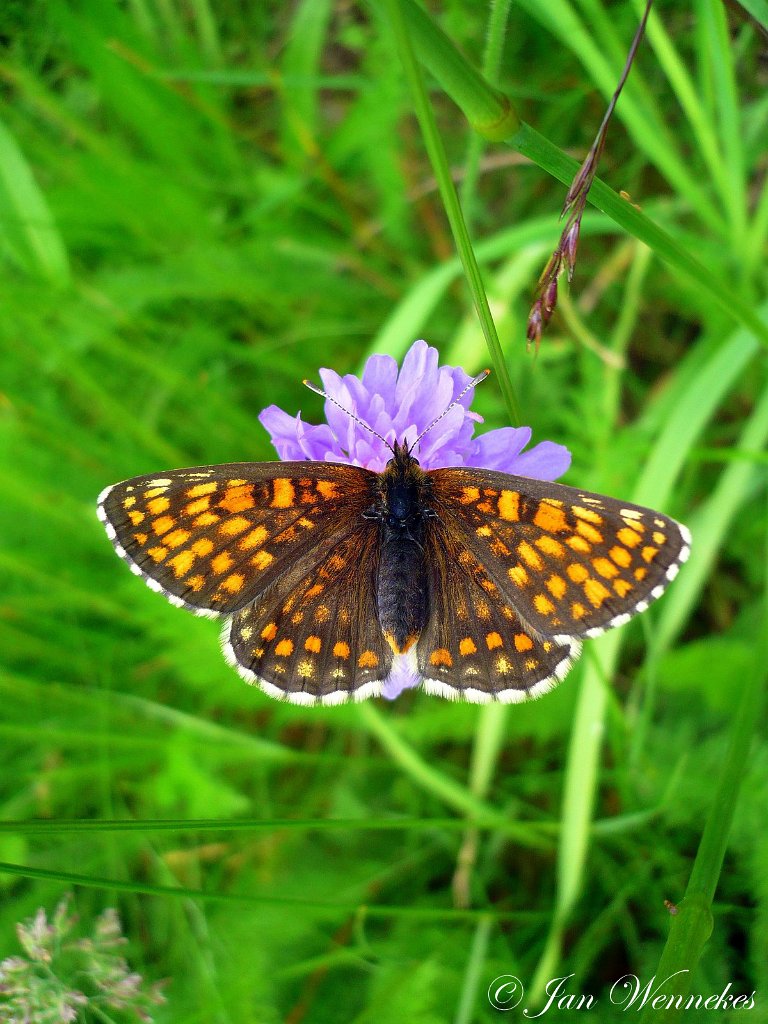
[{"x": 401, "y": 510}]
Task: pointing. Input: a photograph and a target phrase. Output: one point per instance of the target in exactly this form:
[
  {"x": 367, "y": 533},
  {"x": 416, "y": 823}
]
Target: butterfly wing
[
  {"x": 569, "y": 563},
  {"x": 213, "y": 538},
  {"x": 474, "y": 645},
  {"x": 314, "y": 635}
]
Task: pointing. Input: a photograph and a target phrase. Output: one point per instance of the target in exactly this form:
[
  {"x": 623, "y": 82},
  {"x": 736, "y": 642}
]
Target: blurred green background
[{"x": 201, "y": 204}]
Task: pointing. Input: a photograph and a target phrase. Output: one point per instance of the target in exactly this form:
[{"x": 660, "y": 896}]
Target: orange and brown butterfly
[{"x": 334, "y": 578}]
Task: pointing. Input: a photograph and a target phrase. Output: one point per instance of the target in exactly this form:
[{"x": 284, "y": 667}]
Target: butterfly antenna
[
  {"x": 362, "y": 423},
  {"x": 472, "y": 384}
]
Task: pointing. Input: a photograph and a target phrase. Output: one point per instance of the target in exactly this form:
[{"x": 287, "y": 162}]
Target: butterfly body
[
  {"x": 402, "y": 513},
  {"x": 328, "y": 575}
]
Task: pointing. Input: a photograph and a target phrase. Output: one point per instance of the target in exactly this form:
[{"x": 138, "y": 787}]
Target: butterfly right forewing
[{"x": 570, "y": 562}]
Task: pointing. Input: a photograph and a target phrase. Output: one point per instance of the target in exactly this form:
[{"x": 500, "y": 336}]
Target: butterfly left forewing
[
  {"x": 569, "y": 562},
  {"x": 213, "y": 538}
]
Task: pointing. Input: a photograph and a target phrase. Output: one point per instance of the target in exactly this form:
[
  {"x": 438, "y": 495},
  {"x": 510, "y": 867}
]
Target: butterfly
[{"x": 325, "y": 573}]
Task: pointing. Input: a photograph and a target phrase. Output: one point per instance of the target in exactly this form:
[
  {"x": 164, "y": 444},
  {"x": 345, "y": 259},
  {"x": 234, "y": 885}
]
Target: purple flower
[{"x": 399, "y": 406}]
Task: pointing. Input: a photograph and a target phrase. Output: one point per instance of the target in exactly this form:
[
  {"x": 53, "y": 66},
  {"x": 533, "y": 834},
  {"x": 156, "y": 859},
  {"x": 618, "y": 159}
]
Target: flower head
[{"x": 399, "y": 406}]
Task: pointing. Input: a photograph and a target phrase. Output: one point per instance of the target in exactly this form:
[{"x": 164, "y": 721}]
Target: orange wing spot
[
  {"x": 231, "y": 527},
  {"x": 196, "y": 583},
  {"x": 367, "y": 660},
  {"x": 196, "y": 507},
  {"x": 595, "y": 592},
  {"x": 200, "y": 489},
  {"x": 221, "y": 562},
  {"x": 605, "y": 568},
  {"x": 297, "y": 617},
  {"x": 329, "y": 489},
  {"x": 486, "y": 508},
  {"x": 234, "y": 583},
  {"x": 336, "y": 563},
  {"x": 641, "y": 573},
  {"x": 254, "y": 539},
  {"x": 237, "y": 499},
  {"x": 182, "y": 563},
  {"x": 489, "y": 586},
  {"x": 659, "y": 538},
  {"x": 206, "y": 519},
  {"x": 177, "y": 538},
  {"x": 493, "y": 640},
  {"x": 579, "y": 544},
  {"x": 550, "y": 518},
  {"x": 649, "y": 554},
  {"x": 341, "y": 650},
  {"x": 314, "y": 591},
  {"x": 159, "y": 553},
  {"x": 284, "y": 649},
  {"x": 628, "y": 537},
  {"x": 484, "y": 531},
  {"x": 308, "y": 524},
  {"x": 163, "y": 525},
  {"x": 153, "y": 493},
  {"x": 482, "y": 610},
  {"x": 589, "y": 532},
  {"x": 622, "y": 587},
  {"x": 467, "y": 646},
  {"x": 550, "y": 546},
  {"x": 587, "y": 514},
  {"x": 141, "y": 538},
  {"x": 578, "y": 611},
  {"x": 621, "y": 556},
  {"x": 136, "y": 517},
  {"x": 158, "y": 505},
  {"x": 441, "y": 656},
  {"x": 129, "y": 502},
  {"x": 529, "y": 555},
  {"x": 634, "y": 525},
  {"x": 557, "y": 586},
  {"x": 202, "y": 547},
  {"x": 322, "y": 613},
  {"x": 500, "y": 549},
  {"x": 469, "y": 495},
  {"x": 518, "y": 575},
  {"x": 261, "y": 560},
  {"x": 509, "y": 506},
  {"x": 523, "y": 642},
  {"x": 283, "y": 493},
  {"x": 269, "y": 632},
  {"x": 543, "y": 605},
  {"x": 236, "y": 483},
  {"x": 578, "y": 573},
  {"x": 313, "y": 644}
]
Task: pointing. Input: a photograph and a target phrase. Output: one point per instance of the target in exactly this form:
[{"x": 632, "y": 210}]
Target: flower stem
[{"x": 439, "y": 161}]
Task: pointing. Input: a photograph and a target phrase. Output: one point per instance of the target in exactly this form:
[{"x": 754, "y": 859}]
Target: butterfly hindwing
[
  {"x": 569, "y": 562},
  {"x": 475, "y": 646},
  {"x": 213, "y": 538},
  {"x": 314, "y": 636}
]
